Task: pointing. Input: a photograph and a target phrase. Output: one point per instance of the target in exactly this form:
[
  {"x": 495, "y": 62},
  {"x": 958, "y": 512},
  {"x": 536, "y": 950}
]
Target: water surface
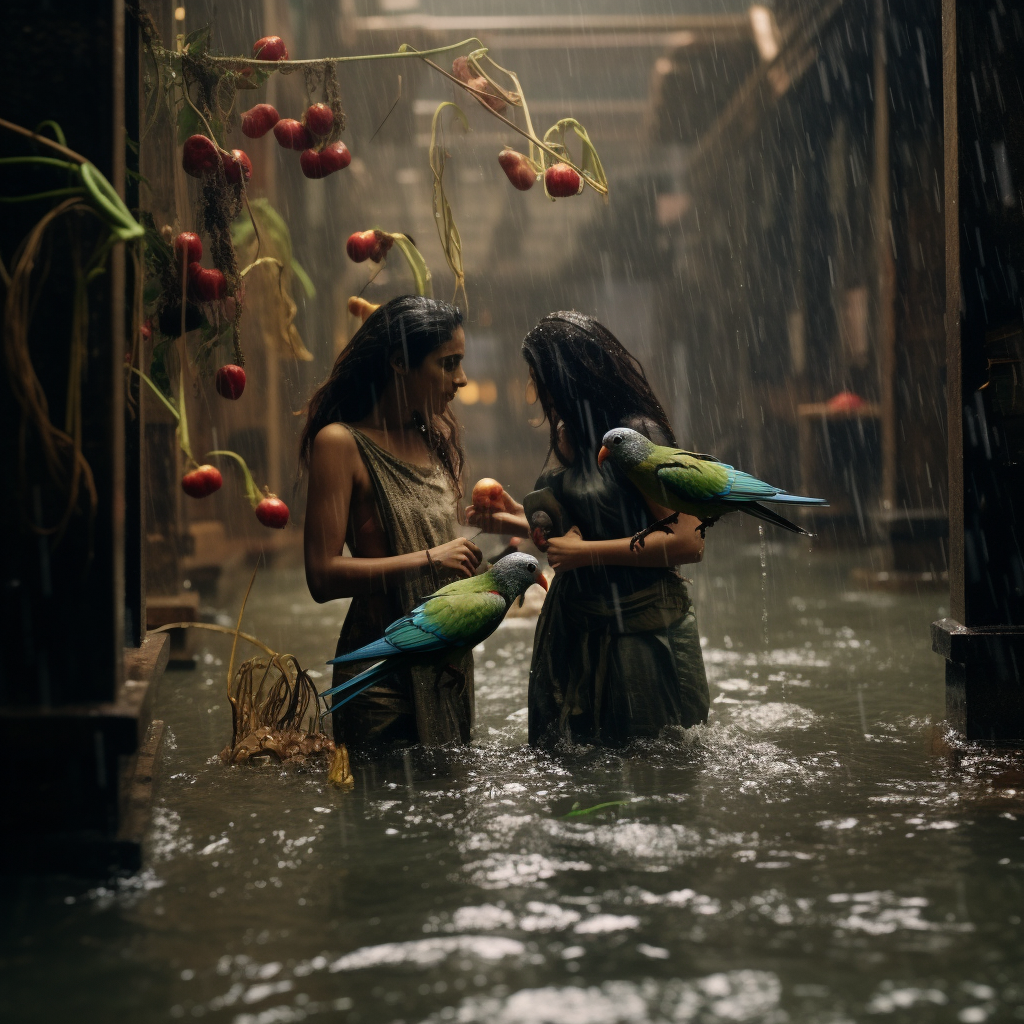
[{"x": 815, "y": 854}]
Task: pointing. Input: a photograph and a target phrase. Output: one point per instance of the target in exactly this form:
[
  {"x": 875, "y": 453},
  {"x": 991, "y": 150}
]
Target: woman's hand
[
  {"x": 459, "y": 555},
  {"x": 568, "y": 552},
  {"x": 510, "y": 518}
]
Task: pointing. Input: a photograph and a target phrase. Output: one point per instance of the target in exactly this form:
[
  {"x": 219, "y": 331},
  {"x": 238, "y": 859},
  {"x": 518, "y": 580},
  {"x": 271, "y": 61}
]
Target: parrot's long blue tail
[
  {"x": 356, "y": 684},
  {"x": 759, "y": 511},
  {"x": 378, "y": 649},
  {"x": 794, "y": 499}
]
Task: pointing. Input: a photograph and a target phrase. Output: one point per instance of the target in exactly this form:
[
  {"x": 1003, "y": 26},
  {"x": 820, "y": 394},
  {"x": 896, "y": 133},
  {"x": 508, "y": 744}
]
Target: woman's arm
[
  {"x": 681, "y": 546},
  {"x": 336, "y": 470}
]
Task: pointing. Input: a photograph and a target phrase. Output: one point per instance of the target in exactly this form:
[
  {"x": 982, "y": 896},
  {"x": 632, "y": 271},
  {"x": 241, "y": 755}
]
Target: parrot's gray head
[
  {"x": 514, "y": 574},
  {"x": 624, "y": 447}
]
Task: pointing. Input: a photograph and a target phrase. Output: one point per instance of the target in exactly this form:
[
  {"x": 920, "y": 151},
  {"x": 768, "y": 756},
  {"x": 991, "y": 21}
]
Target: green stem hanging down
[
  {"x": 252, "y": 492},
  {"x": 178, "y": 412},
  {"x": 94, "y": 186},
  {"x": 451, "y": 241},
  {"x": 417, "y": 264},
  {"x": 159, "y": 394}
]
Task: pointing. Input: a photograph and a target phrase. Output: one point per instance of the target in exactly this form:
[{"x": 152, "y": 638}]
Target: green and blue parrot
[
  {"x": 453, "y": 619},
  {"x": 697, "y": 485}
]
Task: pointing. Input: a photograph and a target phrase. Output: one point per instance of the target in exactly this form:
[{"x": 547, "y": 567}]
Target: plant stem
[
  {"x": 69, "y": 153},
  {"x": 560, "y": 158},
  {"x": 279, "y": 64}
]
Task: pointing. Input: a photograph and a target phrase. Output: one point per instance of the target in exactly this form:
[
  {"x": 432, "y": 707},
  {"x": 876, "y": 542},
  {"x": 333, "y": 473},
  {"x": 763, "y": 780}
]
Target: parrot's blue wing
[
  {"x": 448, "y": 620},
  {"x": 744, "y": 487}
]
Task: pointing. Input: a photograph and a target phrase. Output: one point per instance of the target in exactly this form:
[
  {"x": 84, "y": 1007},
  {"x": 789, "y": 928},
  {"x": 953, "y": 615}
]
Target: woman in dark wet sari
[{"x": 617, "y": 654}]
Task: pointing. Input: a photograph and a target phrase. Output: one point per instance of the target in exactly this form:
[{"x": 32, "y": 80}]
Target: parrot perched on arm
[
  {"x": 697, "y": 485},
  {"x": 452, "y": 619}
]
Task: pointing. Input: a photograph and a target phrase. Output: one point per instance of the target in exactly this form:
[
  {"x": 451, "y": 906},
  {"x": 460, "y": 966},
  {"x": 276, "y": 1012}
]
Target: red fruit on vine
[
  {"x": 188, "y": 245},
  {"x": 258, "y": 120},
  {"x": 145, "y": 332},
  {"x": 517, "y": 169},
  {"x": 208, "y": 283},
  {"x": 311, "y": 164},
  {"x": 368, "y": 245},
  {"x": 202, "y": 481},
  {"x": 230, "y": 381},
  {"x": 562, "y": 181},
  {"x": 492, "y": 100},
  {"x": 292, "y": 135},
  {"x": 461, "y": 69},
  {"x": 272, "y": 512},
  {"x": 335, "y": 157},
  {"x": 199, "y": 156},
  {"x": 270, "y": 48},
  {"x": 237, "y": 167},
  {"x": 320, "y": 119}
]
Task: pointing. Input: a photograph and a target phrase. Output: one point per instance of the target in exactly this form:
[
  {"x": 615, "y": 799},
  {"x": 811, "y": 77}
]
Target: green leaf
[
  {"x": 197, "y": 42},
  {"x": 451, "y": 240}
]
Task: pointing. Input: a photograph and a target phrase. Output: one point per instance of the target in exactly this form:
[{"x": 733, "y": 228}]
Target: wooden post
[
  {"x": 983, "y": 639},
  {"x": 63, "y": 593},
  {"x": 885, "y": 287}
]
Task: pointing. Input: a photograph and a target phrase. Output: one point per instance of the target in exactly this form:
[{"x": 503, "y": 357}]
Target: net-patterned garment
[{"x": 417, "y": 510}]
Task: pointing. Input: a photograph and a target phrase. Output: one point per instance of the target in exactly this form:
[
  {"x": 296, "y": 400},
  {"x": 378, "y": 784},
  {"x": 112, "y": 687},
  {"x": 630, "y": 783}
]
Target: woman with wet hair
[
  {"x": 385, "y": 463},
  {"x": 617, "y": 653}
]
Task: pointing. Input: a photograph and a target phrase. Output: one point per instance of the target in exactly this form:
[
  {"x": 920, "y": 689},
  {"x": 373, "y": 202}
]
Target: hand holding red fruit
[
  {"x": 488, "y": 494},
  {"x": 230, "y": 381},
  {"x": 562, "y": 181},
  {"x": 202, "y": 481},
  {"x": 272, "y": 512},
  {"x": 494, "y": 510},
  {"x": 269, "y": 48}
]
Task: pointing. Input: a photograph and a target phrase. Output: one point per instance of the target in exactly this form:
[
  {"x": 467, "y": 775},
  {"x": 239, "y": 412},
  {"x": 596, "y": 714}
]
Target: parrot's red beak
[
  {"x": 541, "y": 580},
  {"x": 602, "y": 455}
]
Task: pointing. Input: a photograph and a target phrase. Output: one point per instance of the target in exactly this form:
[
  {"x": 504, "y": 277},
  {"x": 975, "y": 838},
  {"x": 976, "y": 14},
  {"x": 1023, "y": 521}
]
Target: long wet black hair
[
  {"x": 588, "y": 382},
  {"x": 414, "y": 326}
]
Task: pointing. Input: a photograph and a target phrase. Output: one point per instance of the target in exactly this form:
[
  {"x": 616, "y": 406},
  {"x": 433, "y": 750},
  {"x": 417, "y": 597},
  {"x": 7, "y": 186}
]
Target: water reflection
[{"x": 816, "y": 853}]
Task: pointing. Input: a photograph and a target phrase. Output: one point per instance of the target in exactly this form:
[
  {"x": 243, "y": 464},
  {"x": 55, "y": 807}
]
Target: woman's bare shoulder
[
  {"x": 335, "y": 440},
  {"x": 335, "y": 451}
]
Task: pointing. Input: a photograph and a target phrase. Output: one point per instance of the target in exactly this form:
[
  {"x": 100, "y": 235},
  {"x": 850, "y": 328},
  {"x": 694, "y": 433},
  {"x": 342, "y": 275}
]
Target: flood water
[{"x": 815, "y": 854}]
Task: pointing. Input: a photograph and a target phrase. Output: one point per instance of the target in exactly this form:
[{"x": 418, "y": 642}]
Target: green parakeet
[
  {"x": 697, "y": 485},
  {"x": 454, "y": 618}
]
